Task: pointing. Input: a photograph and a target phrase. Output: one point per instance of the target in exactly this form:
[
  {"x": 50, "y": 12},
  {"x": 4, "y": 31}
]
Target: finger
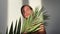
[{"x": 41, "y": 25}]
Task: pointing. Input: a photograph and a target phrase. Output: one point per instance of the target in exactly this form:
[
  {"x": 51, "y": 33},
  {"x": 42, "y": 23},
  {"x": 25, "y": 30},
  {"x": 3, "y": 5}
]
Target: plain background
[
  {"x": 52, "y": 7},
  {"x": 3, "y": 16}
]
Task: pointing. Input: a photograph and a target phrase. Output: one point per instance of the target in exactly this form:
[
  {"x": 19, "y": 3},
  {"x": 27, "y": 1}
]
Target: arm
[{"x": 42, "y": 29}]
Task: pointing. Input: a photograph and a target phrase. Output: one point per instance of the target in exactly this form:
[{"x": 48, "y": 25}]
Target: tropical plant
[{"x": 31, "y": 24}]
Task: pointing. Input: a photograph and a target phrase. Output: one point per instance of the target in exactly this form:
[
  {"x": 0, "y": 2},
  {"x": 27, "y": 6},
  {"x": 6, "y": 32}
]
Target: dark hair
[{"x": 22, "y": 10}]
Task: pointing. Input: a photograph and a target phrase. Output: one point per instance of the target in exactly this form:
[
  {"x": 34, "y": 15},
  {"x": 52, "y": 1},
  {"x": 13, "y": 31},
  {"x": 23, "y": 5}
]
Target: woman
[{"x": 26, "y": 11}]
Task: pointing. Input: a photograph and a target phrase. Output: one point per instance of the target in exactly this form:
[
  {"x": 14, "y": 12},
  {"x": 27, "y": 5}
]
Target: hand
[{"x": 42, "y": 29}]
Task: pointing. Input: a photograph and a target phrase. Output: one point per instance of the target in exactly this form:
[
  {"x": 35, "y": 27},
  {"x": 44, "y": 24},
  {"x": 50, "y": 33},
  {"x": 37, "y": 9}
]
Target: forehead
[{"x": 26, "y": 7}]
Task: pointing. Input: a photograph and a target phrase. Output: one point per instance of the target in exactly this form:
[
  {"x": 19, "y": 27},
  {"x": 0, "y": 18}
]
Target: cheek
[
  {"x": 29, "y": 12},
  {"x": 26, "y": 14}
]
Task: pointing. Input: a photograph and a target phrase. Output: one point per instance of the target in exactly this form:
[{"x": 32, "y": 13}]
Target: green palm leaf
[
  {"x": 33, "y": 22},
  {"x": 15, "y": 27},
  {"x": 19, "y": 26},
  {"x": 11, "y": 29}
]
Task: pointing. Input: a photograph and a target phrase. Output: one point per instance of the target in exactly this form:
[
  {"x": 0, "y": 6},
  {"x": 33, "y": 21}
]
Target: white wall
[
  {"x": 13, "y": 11},
  {"x": 35, "y": 3}
]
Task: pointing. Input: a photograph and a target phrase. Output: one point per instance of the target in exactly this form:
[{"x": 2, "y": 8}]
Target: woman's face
[{"x": 27, "y": 11}]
